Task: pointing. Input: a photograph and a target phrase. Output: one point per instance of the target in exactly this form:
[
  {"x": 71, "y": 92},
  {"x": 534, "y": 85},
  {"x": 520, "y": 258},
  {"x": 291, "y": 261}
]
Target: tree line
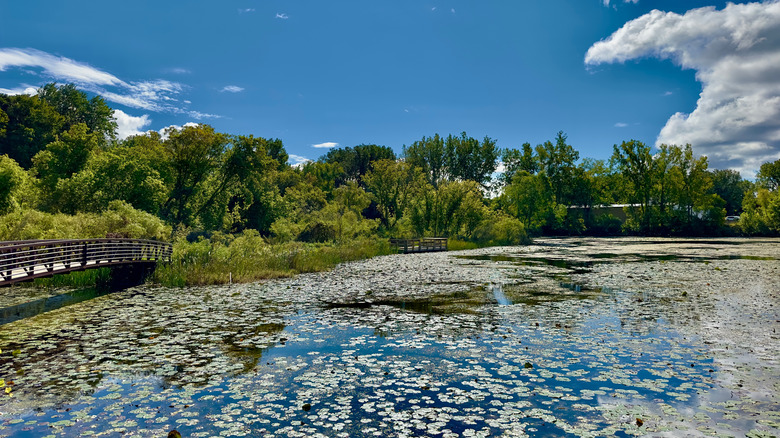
[{"x": 59, "y": 154}]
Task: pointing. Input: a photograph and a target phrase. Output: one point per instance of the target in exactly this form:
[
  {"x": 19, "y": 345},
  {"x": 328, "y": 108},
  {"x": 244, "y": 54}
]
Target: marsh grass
[
  {"x": 248, "y": 257},
  {"x": 79, "y": 279}
]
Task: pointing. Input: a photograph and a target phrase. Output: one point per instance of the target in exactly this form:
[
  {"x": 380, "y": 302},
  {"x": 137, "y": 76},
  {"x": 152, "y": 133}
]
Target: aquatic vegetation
[{"x": 588, "y": 351}]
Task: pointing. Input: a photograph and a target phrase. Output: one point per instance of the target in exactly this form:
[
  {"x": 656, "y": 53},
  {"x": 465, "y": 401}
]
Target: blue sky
[{"x": 317, "y": 73}]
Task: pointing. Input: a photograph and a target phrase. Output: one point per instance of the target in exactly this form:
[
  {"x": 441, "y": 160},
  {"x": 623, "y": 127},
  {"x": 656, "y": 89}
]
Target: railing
[
  {"x": 425, "y": 244},
  {"x": 29, "y": 259}
]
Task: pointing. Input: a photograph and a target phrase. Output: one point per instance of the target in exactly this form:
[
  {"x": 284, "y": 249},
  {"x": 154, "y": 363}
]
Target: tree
[
  {"x": 30, "y": 124},
  {"x": 357, "y": 161},
  {"x": 62, "y": 159},
  {"x": 122, "y": 173},
  {"x": 392, "y": 184},
  {"x": 16, "y": 186},
  {"x": 527, "y": 198},
  {"x": 729, "y": 185},
  {"x": 428, "y": 154},
  {"x": 557, "y": 162},
  {"x": 76, "y": 108},
  {"x": 518, "y": 160},
  {"x": 194, "y": 153},
  {"x": 634, "y": 161},
  {"x": 468, "y": 159},
  {"x": 769, "y": 175}
]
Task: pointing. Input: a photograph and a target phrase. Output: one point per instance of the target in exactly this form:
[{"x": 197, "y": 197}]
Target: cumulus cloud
[
  {"x": 22, "y": 89},
  {"x": 298, "y": 161},
  {"x": 327, "y": 144},
  {"x": 736, "y": 55},
  {"x": 154, "y": 95},
  {"x": 232, "y": 89},
  {"x": 128, "y": 125},
  {"x": 165, "y": 132}
]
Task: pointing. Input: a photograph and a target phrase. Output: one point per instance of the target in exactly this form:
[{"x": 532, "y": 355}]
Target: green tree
[
  {"x": 518, "y": 160},
  {"x": 122, "y": 173},
  {"x": 16, "y": 186},
  {"x": 195, "y": 154},
  {"x": 392, "y": 185},
  {"x": 30, "y": 124},
  {"x": 528, "y": 198},
  {"x": 357, "y": 161},
  {"x": 76, "y": 108},
  {"x": 62, "y": 159},
  {"x": 468, "y": 159},
  {"x": 769, "y": 175},
  {"x": 428, "y": 154},
  {"x": 729, "y": 185},
  {"x": 558, "y": 163},
  {"x": 634, "y": 161}
]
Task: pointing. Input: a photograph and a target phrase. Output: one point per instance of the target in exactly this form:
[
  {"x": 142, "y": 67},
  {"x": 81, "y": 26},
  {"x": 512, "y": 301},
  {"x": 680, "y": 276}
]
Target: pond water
[{"x": 568, "y": 337}]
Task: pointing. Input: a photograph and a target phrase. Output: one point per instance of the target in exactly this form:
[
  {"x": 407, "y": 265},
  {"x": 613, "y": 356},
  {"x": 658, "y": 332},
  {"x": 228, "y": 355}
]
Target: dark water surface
[{"x": 507, "y": 360}]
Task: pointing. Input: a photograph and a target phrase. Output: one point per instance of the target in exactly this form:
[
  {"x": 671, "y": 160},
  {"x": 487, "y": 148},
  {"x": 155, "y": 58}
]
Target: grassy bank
[{"x": 248, "y": 257}]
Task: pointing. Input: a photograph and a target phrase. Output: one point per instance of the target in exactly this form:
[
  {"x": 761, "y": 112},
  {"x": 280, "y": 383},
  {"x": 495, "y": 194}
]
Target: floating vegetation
[{"x": 442, "y": 346}]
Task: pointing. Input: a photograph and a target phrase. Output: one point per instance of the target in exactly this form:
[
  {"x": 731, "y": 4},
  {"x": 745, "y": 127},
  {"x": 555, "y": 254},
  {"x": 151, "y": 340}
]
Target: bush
[
  {"x": 119, "y": 219},
  {"x": 501, "y": 230}
]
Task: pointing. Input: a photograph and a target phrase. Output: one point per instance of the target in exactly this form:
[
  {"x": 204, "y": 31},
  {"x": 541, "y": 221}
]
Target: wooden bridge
[
  {"x": 30, "y": 259},
  {"x": 424, "y": 244}
]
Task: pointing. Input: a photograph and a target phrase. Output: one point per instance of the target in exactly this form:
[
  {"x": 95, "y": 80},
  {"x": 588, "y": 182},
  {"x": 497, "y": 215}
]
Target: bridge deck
[
  {"x": 30, "y": 259},
  {"x": 425, "y": 244}
]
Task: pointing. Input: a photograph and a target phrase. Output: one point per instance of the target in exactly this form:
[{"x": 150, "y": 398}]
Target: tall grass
[
  {"x": 248, "y": 257},
  {"x": 78, "y": 279}
]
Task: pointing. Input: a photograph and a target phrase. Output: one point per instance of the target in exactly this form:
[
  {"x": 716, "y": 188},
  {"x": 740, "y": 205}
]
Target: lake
[{"x": 566, "y": 337}]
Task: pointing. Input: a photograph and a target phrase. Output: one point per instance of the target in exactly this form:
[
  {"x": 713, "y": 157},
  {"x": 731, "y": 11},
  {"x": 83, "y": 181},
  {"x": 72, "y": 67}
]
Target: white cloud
[
  {"x": 620, "y": 125},
  {"x": 282, "y": 16},
  {"x": 179, "y": 71},
  {"x": 247, "y": 10},
  {"x": 607, "y": 2},
  {"x": 736, "y": 55},
  {"x": 327, "y": 144},
  {"x": 165, "y": 132},
  {"x": 297, "y": 160},
  {"x": 155, "y": 95},
  {"x": 668, "y": 93},
  {"x": 128, "y": 125},
  {"x": 232, "y": 89},
  {"x": 22, "y": 89}
]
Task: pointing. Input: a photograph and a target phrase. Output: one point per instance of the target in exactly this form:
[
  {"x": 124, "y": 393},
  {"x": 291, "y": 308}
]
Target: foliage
[
  {"x": 769, "y": 175},
  {"x": 392, "y": 185},
  {"x": 501, "y": 230},
  {"x": 17, "y": 188},
  {"x": 248, "y": 257},
  {"x": 118, "y": 219},
  {"x": 358, "y": 161}
]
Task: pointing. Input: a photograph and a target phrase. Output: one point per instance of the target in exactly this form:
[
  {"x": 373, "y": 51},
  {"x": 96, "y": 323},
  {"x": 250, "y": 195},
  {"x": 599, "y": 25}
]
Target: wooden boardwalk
[
  {"x": 30, "y": 259},
  {"x": 424, "y": 244}
]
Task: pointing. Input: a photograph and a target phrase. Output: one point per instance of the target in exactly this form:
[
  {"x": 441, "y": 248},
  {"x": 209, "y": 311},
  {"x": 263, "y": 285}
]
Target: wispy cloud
[
  {"x": 327, "y": 144},
  {"x": 179, "y": 71},
  {"x": 232, "y": 89},
  {"x": 282, "y": 16},
  {"x": 246, "y": 11},
  {"x": 668, "y": 93},
  {"x": 620, "y": 125},
  {"x": 157, "y": 95},
  {"x": 608, "y": 2}
]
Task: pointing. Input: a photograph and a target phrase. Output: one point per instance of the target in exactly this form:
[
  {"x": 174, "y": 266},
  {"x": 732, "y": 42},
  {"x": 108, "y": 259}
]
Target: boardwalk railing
[
  {"x": 29, "y": 259},
  {"x": 425, "y": 244}
]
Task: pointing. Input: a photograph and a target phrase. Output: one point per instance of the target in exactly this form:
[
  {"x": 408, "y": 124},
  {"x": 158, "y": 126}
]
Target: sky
[{"x": 320, "y": 74}]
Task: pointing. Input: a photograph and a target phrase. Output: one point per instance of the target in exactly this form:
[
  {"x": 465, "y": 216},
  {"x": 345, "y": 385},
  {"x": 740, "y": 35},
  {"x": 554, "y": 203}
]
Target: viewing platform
[{"x": 424, "y": 244}]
